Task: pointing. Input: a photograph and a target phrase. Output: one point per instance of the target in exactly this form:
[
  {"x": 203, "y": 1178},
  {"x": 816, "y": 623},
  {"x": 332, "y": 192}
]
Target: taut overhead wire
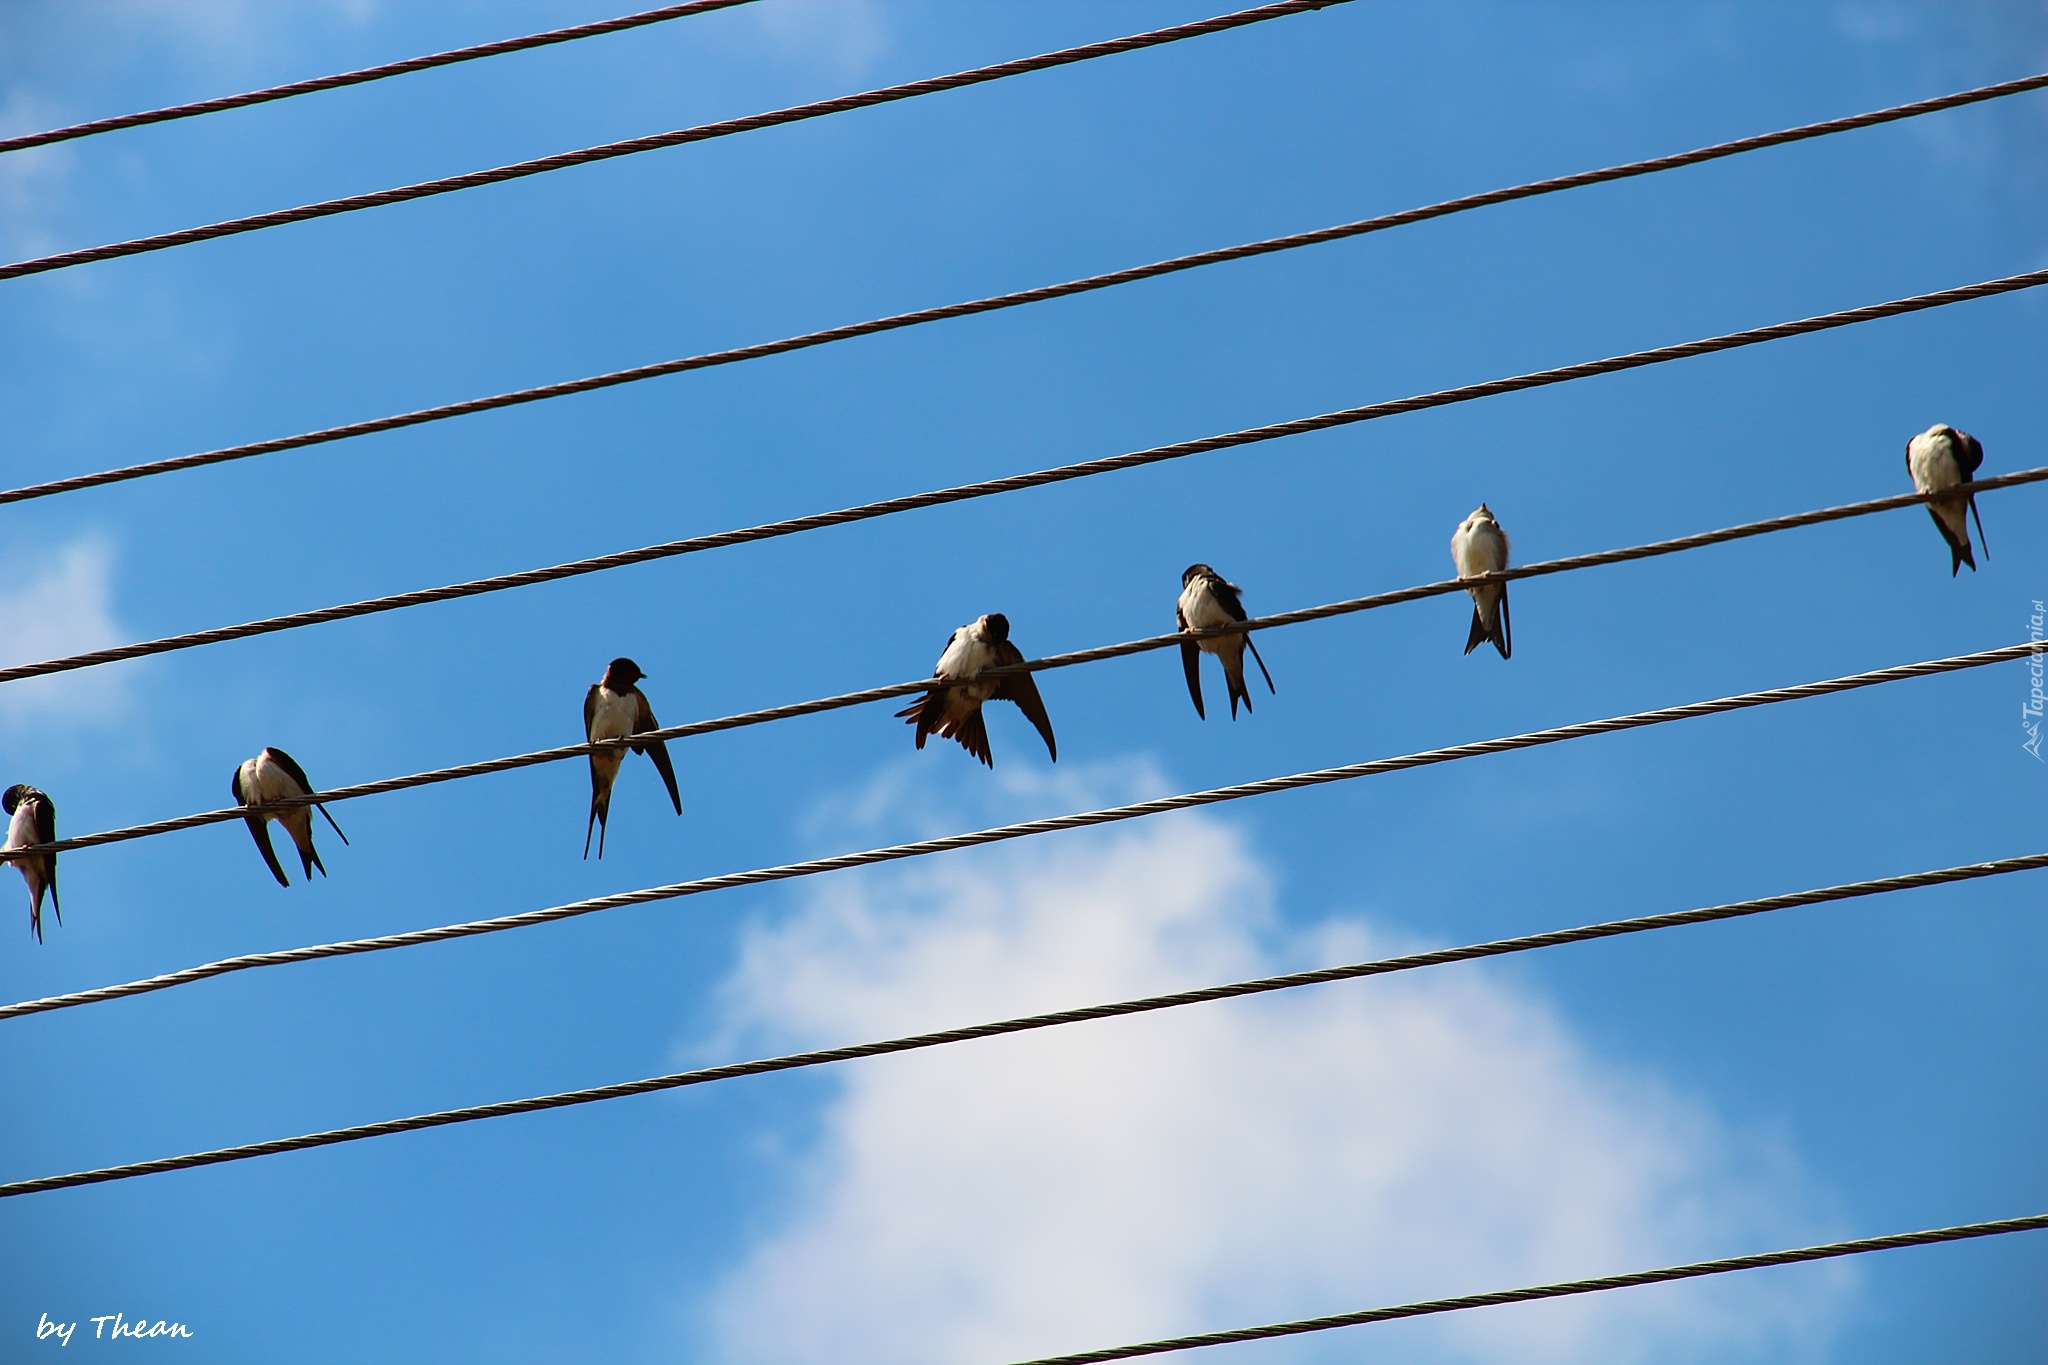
[
  {"x": 327, "y": 208},
  {"x": 1015, "y": 299},
  {"x": 1016, "y": 482},
  {"x": 891, "y": 691},
  {"x": 914, "y": 1042},
  {"x": 1030, "y": 828},
  {"x": 368, "y": 73}
]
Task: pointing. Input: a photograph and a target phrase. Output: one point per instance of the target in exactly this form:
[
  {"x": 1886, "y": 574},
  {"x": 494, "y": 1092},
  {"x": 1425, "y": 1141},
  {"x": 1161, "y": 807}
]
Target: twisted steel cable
[
  {"x": 1029, "y": 828},
  {"x": 1793, "y": 1256},
  {"x": 914, "y": 1042},
  {"x": 891, "y": 691},
  {"x": 368, "y": 73},
  {"x": 327, "y": 208},
  {"x": 1040, "y": 478},
  {"x": 1022, "y": 296}
]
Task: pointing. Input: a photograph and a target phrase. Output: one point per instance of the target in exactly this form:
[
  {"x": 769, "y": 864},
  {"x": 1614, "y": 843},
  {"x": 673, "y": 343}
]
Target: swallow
[
  {"x": 1942, "y": 457},
  {"x": 1480, "y": 546},
  {"x": 34, "y": 821},
  {"x": 613, "y": 709},
  {"x": 955, "y": 712},
  {"x": 275, "y": 775},
  {"x": 1206, "y": 601}
]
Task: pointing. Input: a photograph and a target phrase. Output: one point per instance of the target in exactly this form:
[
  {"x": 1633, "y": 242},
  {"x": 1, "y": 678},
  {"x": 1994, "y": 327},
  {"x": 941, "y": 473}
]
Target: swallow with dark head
[
  {"x": 32, "y": 819},
  {"x": 952, "y": 709},
  {"x": 615, "y": 708},
  {"x": 275, "y": 775},
  {"x": 1942, "y": 457},
  {"x": 1206, "y": 602}
]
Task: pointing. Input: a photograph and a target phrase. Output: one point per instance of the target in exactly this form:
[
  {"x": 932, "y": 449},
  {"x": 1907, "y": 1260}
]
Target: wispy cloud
[
  {"x": 1338, "y": 1147},
  {"x": 56, "y": 602}
]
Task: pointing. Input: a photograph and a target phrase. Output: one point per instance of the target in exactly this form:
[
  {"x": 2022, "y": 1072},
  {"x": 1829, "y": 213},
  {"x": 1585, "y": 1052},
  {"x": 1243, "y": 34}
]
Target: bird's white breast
[
  {"x": 21, "y": 830},
  {"x": 1931, "y": 457},
  {"x": 263, "y": 780},
  {"x": 967, "y": 653},
  {"x": 1200, "y": 609},
  {"x": 614, "y": 716},
  {"x": 1479, "y": 547}
]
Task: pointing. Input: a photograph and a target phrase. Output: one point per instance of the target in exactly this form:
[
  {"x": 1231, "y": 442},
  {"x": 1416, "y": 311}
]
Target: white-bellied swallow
[
  {"x": 1480, "y": 546},
  {"x": 954, "y": 712},
  {"x": 1206, "y": 601},
  {"x": 613, "y": 709},
  {"x": 33, "y": 820},
  {"x": 1942, "y": 457},
  {"x": 275, "y": 775}
]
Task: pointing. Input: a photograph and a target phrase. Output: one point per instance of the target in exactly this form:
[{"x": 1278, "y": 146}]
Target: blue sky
[{"x": 1821, "y": 1073}]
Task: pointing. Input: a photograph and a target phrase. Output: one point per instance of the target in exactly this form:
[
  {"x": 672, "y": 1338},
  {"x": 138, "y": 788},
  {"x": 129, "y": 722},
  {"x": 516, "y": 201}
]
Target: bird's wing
[
  {"x": 657, "y": 749},
  {"x": 1226, "y": 595},
  {"x": 46, "y": 824},
  {"x": 1190, "y": 662},
  {"x": 259, "y": 829},
  {"x": 1019, "y": 688},
  {"x": 291, "y": 766},
  {"x": 589, "y": 709}
]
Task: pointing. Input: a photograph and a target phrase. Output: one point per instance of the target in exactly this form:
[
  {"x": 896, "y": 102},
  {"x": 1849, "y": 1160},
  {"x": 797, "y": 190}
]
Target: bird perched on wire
[
  {"x": 32, "y": 820},
  {"x": 1206, "y": 601},
  {"x": 1942, "y": 457},
  {"x": 615, "y": 708},
  {"x": 275, "y": 775},
  {"x": 1480, "y": 546},
  {"x": 954, "y": 712}
]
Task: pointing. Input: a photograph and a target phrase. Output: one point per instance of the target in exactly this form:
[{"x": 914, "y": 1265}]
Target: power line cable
[
  {"x": 1795, "y": 1256},
  {"x": 1015, "y": 299},
  {"x": 891, "y": 691},
  {"x": 368, "y": 73},
  {"x": 1027, "y": 1023},
  {"x": 1029, "y": 828},
  {"x": 327, "y": 208},
  {"x": 1040, "y": 478}
]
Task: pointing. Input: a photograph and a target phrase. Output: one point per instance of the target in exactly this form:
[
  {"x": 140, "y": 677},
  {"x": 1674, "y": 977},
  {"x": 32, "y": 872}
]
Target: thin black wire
[
  {"x": 1029, "y": 828},
  {"x": 561, "y": 160},
  {"x": 891, "y": 691},
  {"x": 1040, "y": 478},
  {"x": 1794, "y": 1256},
  {"x": 368, "y": 73},
  {"x": 1145, "y": 1005},
  {"x": 1020, "y": 297}
]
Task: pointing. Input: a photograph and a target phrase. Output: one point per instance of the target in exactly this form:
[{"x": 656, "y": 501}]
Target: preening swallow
[
  {"x": 1480, "y": 546},
  {"x": 613, "y": 709},
  {"x": 955, "y": 712},
  {"x": 32, "y": 820},
  {"x": 1942, "y": 457},
  {"x": 275, "y": 775},
  {"x": 1206, "y": 601}
]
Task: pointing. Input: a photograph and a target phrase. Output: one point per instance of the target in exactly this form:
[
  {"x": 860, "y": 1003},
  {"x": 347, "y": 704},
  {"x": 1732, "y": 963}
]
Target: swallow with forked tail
[
  {"x": 1942, "y": 457},
  {"x": 954, "y": 711},
  {"x": 615, "y": 708},
  {"x": 275, "y": 775},
  {"x": 1206, "y": 602},
  {"x": 1478, "y": 547},
  {"x": 32, "y": 820}
]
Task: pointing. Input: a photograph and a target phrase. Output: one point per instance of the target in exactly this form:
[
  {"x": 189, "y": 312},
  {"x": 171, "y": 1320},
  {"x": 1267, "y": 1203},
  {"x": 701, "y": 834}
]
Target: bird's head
[
  {"x": 995, "y": 627},
  {"x": 621, "y": 674},
  {"x": 1194, "y": 571},
  {"x": 14, "y": 796}
]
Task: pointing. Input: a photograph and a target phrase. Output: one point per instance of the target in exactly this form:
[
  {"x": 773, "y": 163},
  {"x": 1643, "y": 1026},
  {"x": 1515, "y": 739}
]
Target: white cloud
[
  {"x": 54, "y": 603},
  {"x": 1332, "y": 1148}
]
